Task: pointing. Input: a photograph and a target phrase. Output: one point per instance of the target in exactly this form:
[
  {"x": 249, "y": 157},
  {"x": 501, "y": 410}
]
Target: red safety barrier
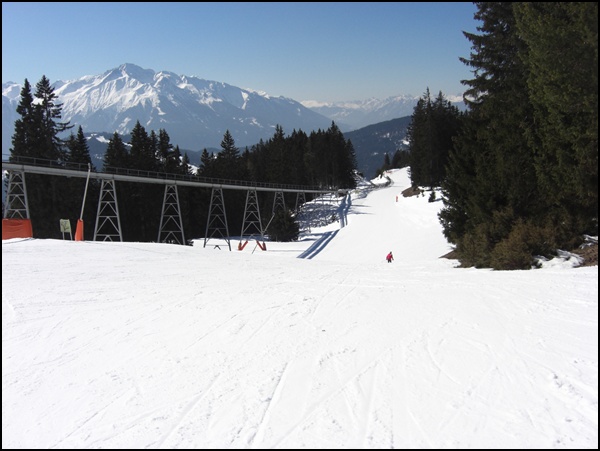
[{"x": 16, "y": 228}]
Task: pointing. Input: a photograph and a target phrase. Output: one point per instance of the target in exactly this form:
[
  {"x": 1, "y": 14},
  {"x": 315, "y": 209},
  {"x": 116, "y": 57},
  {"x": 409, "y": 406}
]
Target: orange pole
[{"x": 79, "y": 230}]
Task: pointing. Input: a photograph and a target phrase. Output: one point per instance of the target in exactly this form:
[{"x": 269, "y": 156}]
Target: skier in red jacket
[{"x": 389, "y": 257}]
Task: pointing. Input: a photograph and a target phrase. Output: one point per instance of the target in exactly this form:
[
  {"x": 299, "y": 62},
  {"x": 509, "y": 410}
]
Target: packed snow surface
[{"x": 318, "y": 343}]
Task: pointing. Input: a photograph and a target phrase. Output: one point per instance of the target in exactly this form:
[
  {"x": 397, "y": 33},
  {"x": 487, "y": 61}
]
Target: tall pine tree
[
  {"x": 50, "y": 145},
  {"x": 78, "y": 149},
  {"x": 433, "y": 126},
  {"x": 36, "y": 138},
  {"x": 116, "y": 155},
  {"x": 515, "y": 184},
  {"x": 562, "y": 60},
  {"x": 493, "y": 143},
  {"x": 24, "y": 137}
]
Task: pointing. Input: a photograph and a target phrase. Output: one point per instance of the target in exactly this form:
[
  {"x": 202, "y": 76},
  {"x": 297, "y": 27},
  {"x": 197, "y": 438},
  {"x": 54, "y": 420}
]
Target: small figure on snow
[{"x": 390, "y": 257}]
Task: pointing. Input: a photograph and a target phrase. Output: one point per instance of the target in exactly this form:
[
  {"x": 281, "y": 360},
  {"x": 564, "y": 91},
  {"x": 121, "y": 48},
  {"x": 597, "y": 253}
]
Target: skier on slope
[{"x": 390, "y": 257}]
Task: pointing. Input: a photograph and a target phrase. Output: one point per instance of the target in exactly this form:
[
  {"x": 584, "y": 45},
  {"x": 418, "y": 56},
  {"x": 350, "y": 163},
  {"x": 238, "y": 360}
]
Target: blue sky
[{"x": 305, "y": 51}]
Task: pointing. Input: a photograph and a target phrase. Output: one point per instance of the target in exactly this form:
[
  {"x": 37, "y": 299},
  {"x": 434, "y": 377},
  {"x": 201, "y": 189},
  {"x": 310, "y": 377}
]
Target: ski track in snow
[
  {"x": 259, "y": 437},
  {"x": 188, "y": 408}
]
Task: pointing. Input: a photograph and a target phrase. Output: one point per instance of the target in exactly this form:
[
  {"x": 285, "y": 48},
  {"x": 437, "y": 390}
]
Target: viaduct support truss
[{"x": 108, "y": 222}]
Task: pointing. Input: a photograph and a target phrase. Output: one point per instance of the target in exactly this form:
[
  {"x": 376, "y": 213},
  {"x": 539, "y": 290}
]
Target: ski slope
[{"x": 138, "y": 345}]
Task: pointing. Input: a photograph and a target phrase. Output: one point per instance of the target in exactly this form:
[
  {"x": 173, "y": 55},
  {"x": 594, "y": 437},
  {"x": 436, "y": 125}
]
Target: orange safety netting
[{"x": 16, "y": 228}]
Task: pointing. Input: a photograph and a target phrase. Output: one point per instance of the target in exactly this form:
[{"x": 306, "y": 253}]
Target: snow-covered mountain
[
  {"x": 194, "y": 112},
  {"x": 197, "y": 112},
  {"x": 357, "y": 114}
]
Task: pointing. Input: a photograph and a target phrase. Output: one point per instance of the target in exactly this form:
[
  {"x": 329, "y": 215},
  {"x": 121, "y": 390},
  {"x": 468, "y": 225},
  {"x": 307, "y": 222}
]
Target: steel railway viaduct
[{"x": 108, "y": 225}]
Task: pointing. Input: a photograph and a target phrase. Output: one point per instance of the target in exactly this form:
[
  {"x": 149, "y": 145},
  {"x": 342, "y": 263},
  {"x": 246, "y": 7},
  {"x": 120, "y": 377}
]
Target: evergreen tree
[
  {"x": 283, "y": 227},
  {"x": 257, "y": 162},
  {"x": 430, "y": 133},
  {"x": 176, "y": 165},
  {"x": 387, "y": 164},
  {"x": 227, "y": 165},
  {"x": 167, "y": 160},
  {"x": 419, "y": 135},
  {"x": 152, "y": 153},
  {"x": 229, "y": 151},
  {"x": 562, "y": 60},
  {"x": 400, "y": 159},
  {"x": 335, "y": 159},
  {"x": 116, "y": 155},
  {"x": 446, "y": 120},
  {"x": 337, "y": 152},
  {"x": 50, "y": 145},
  {"x": 23, "y": 140},
  {"x": 456, "y": 187},
  {"x": 143, "y": 149},
  {"x": 276, "y": 157},
  {"x": 504, "y": 187},
  {"x": 140, "y": 204},
  {"x": 186, "y": 165},
  {"x": 310, "y": 161},
  {"x": 348, "y": 166},
  {"x": 514, "y": 185},
  {"x": 297, "y": 148},
  {"x": 206, "y": 160},
  {"x": 78, "y": 157},
  {"x": 79, "y": 151},
  {"x": 36, "y": 138}
]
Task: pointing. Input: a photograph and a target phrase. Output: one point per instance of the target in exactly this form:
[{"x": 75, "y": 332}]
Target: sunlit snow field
[{"x": 318, "y": 343}]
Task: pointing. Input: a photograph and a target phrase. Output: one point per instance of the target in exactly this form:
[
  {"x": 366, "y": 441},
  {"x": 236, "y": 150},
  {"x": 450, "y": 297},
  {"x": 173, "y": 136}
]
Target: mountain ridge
[{"x": 196, "y": 112}]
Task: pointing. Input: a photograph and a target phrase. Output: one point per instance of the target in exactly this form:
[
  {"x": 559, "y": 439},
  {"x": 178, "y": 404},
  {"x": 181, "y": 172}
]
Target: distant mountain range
[
  {"x": 194, "y": 112},
  {"x": 371, "y": 143},
  {"x": 197, "y": 112},
  {"x": 361, "y": 113}
]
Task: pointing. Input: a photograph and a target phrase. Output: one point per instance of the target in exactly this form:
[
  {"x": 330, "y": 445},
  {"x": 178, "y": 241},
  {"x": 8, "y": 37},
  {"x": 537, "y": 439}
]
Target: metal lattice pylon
[
  {"x": 252, "y": 224},
  {"x": 278, "y": 202},
  {"x": 16, "y": 206},
  {"x": 108, "y": 223},
  {"x": 171, "y": 226},
  {"x": 300, "y": 200},
  {"x": 217, "y": 218}
]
